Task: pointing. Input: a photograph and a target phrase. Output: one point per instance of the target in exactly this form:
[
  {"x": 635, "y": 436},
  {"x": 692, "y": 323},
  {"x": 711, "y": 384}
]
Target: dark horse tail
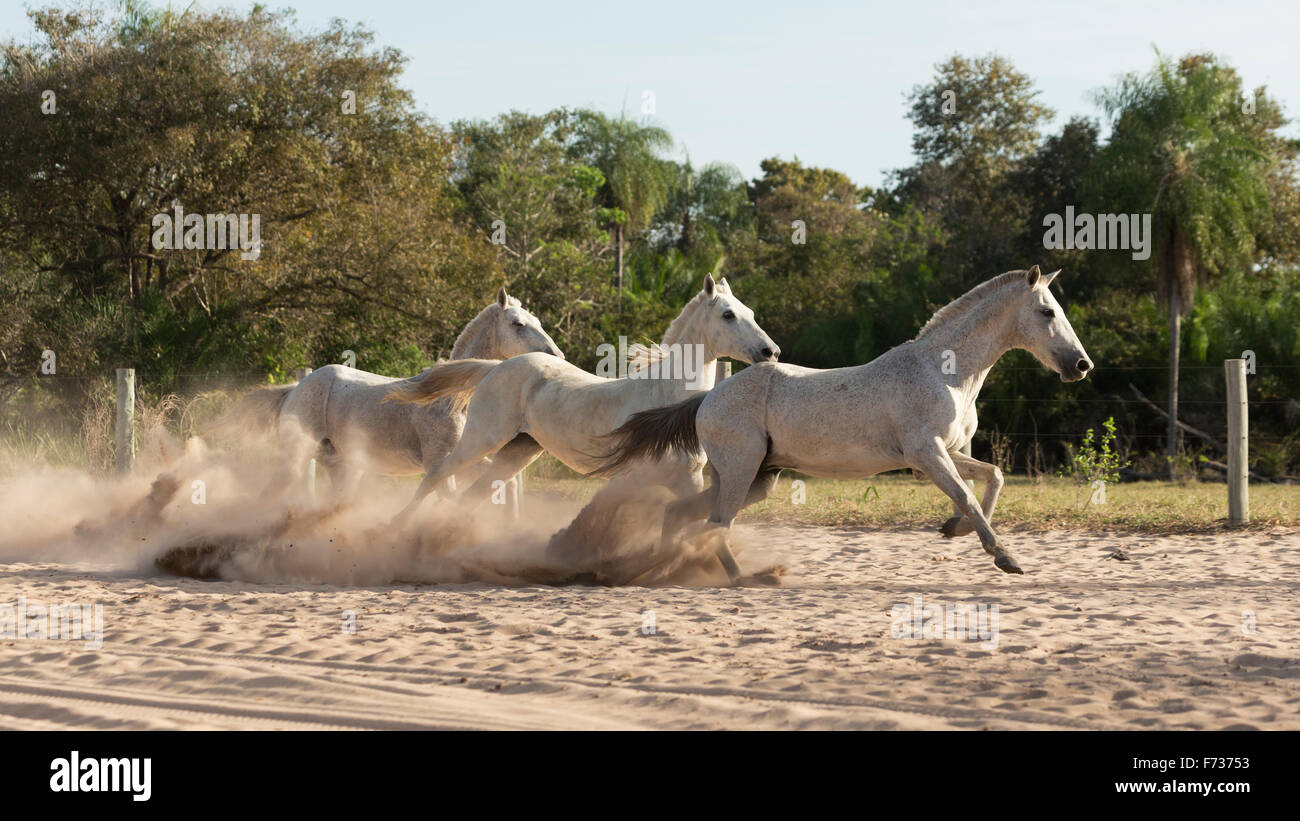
[{"x": 651, "y": 434}]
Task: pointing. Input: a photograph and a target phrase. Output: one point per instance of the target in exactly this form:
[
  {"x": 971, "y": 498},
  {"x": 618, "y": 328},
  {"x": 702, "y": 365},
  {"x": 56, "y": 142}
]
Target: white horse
[
  {"x": 532, "y": 403},
  {"x": 338, "y": 414},
  {"x": 913, "y": 406}
]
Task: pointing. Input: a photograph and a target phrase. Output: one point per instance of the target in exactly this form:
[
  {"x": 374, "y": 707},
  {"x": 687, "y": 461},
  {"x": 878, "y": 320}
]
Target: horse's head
[
  {"x": 519, "y": 332},
  {"x": 1043, "y": 330},
  {"x": 729, "y": 328}
]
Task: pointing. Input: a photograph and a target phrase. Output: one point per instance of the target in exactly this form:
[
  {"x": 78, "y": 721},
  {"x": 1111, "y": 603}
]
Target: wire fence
[
  {"x": 250, "y": 378},
  {"x": 1146, "y": 405}
]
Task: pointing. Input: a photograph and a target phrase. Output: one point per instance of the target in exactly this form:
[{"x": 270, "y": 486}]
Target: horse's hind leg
[
  {"x": 760, "y": 489},
  {"x": 991, "y": 476},
  {"x": 738, "y": 472},
  {"x": 938, "y": 465},
  {"x": 477, "y": 442},
  {"x": 762, "y": 486},
  {"x": 344, "y": 480},
  {"x": 290, "y": 472},
  {"x": 506, "y": 464},
  {"x": 693, "y": 508}
]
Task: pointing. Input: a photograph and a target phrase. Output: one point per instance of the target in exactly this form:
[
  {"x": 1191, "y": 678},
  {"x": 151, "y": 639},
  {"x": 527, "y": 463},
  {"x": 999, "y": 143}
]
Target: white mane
[{"x": 963, "y": 304}]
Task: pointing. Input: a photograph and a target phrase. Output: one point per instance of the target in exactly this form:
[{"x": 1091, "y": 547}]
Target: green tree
[
  {"x": 812, "y": 245},
  {"x": 1046, "y": 182},
  {"x": 974, "y": 123},
  {"x": 535, "y": 204},
  {"x": 703, "y": 206},
  {"x": 637, "y": 179},
  {"x": 221, "y": 113},
  {"x": 1188, "y": 147}
]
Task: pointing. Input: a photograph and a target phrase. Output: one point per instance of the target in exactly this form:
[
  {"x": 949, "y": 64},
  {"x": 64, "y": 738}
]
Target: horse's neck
[
  {"x": 977, "y": 339},
  {"x": 482, "y": 344},
  {"x": 686, "y": 335}
]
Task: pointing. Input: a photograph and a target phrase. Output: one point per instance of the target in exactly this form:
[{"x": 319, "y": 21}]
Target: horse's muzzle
[{"x": 1073, "y": 368}]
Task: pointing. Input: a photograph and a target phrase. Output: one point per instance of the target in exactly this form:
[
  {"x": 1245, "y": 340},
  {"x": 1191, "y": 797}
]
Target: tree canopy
[{"x": 384, "y": 230}]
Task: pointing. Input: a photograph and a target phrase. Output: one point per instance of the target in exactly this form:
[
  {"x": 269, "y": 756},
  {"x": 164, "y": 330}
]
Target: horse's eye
[
  {"x": 1049, "y": 313},
  {"x": 517, "y": 324},
  {"x": 728, "y": 314}
]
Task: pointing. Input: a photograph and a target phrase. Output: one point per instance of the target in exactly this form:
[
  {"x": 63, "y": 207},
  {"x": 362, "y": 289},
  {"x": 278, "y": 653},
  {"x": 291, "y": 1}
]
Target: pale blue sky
[{"x": 740, "y": 81}]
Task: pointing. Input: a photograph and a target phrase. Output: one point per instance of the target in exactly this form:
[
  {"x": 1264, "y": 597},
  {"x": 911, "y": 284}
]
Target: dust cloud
[{"x": 237, "y": 513}]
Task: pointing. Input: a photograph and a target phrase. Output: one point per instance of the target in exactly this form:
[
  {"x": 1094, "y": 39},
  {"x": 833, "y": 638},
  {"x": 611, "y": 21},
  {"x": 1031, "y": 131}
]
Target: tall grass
[
  {"x": 44, "y": 428},
  {"x": 898, "y": 500}
]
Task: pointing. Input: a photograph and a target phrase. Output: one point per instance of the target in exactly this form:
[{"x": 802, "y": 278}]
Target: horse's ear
[
  {"x": 710, "y": 287},
  {"x": 502, "y": 296},
  {"x": 1033, "y": 276},
  {"x": 1047, "y": 278},
  {"x": 723, "y": 287}
]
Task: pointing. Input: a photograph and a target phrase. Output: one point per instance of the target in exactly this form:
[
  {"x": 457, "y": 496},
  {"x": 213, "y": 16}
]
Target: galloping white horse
[
  {"x": 338, "y": 414},
  {"x": 532, "y": 403},
  {"x": 913, "y": 406}
]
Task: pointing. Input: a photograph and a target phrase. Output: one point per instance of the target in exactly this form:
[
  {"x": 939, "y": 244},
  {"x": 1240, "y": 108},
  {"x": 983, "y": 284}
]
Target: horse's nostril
[{"x": 1084, "y": 365}]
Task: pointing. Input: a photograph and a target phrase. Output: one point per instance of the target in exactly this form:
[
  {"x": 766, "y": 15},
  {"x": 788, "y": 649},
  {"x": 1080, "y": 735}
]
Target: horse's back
[
  {"x": 350, "y": 382},
  {"x": 564, "y": 408},
  {"x": 839, "y": 422},
  {"x": 335, "y": 388},
  {"x": 533, "y": 376},
  {"x": 347, "y": 406}
]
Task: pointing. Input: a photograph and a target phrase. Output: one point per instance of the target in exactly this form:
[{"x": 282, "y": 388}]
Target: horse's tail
[
  {"x": 651, "y": 434},
  {"x": 458, "y": 378},
  {"x": 256, "y": 412}
]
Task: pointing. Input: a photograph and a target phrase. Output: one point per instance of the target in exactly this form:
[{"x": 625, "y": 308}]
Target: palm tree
[
  {"x": 1189, "y": 149},
  {"x": 702, "y": 203},
  {"x": 637, "y": 180}
]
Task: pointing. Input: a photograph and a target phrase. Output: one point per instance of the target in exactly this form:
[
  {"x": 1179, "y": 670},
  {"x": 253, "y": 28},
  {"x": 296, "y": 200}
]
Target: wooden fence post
[
  {"x": 299, "y": 375},
  {"x": 124, "y": 421},
  {"x": 1238, "y": 445}
]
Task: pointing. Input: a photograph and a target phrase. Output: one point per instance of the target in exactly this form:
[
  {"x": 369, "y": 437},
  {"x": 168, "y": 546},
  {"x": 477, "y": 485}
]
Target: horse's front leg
[
  {"x": 936, "y": 463},
  {"x": 991, "y": 476}
]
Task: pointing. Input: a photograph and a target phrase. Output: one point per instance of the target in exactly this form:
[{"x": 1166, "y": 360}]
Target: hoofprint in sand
[{"x": 1196, "y": 631}]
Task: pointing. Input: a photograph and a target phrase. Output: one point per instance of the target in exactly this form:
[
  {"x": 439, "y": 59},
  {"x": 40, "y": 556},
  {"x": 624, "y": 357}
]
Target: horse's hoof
[
  {"x": 1007, "y": 565},
  {"x": 949, "y": 528}
]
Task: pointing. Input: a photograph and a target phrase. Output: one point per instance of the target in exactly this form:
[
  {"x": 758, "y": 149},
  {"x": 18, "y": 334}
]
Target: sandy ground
[{"x": 1083, "y": 641}]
